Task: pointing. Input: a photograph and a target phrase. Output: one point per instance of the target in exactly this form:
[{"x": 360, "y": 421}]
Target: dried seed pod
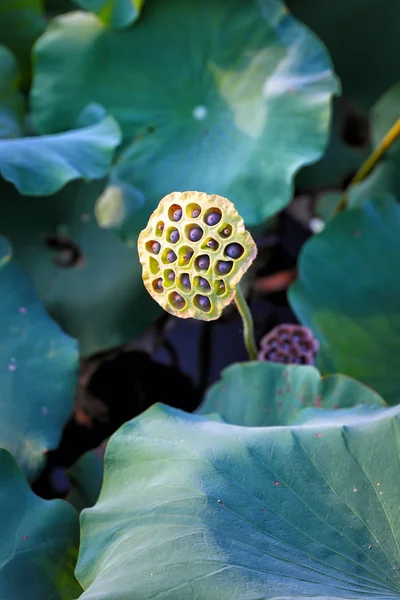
[
  {"x": 204, "y": 278},
  {"x": 289, "y": 344}
]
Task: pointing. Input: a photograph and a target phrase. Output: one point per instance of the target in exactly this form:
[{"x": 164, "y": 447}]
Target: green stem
[
  {"x": 248, "y": 328},
  {"x": 369, "y": 164}
]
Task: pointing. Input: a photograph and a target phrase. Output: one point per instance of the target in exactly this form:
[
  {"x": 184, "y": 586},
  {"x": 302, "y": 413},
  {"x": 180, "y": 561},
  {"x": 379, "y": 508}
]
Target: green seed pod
[{"x": 208, "y": 228}]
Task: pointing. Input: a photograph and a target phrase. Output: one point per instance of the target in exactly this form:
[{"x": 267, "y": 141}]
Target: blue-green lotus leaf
[
  {"x": 225, "y": 96},
  {"x": 195, "y": 508},
  {"x": 42, "y": 165},
  {"x": 38, "y": 371},
  {"x": 116, "y": 13},
  {"x": 94, "y": 289},
  {"x": 39, "y": 541},
  {"x": 349, "y": 294},
  {"x": 258, "y": 394}
]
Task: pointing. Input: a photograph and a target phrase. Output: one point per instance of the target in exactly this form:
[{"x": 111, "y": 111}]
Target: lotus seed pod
[
  {"x": 289, "y": 344},
  {"x": 211, "y": 252}
]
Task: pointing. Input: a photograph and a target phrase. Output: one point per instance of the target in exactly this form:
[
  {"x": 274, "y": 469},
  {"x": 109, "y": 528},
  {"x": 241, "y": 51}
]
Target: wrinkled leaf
[
  {"x": 263, "y": 393},
  {"x": 43, "y": 165},
  {"x": 93, "y": 285},
  {"x": 21, "y": 23},
  {"x": 11, "y": 102},
  {"x": 238, "y": 103},
  {"x": 348, "y": 293},
  {"x": 117, "y": 13},
  {"x": 38, "y": 371},
  {"x": 39, "y": 541},
  {"x": 194, "y": 508},
  {"x": 86, "y": 477}
]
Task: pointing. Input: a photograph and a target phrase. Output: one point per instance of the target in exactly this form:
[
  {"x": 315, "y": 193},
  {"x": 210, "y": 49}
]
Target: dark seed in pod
[
  {"x": 188, "y": 255},
  {"x": 185, "y": 280},
  {"x": 174, "y": 236},
  {"x": 160, "y": 227},
  {"x": 203, "y": 262},
  {"x": 171, "y": 276},
  {"x": 156, "y": 247},
  {"x": 171, "y": 256},
  {"x": 195, "y": 213},
  {"x": 226, "y": 232},
  {"x": 224, "y": 267},
  {"x": 204, "y": 302},
  {"x": 212, "y": 244},
  {"x": 203, "y": 283},
  {"x": 158, "y": 284},
  {"x": 195, "y": 234},
  {"x": 234, "y": 250},
  {"x": 178, "y": 299},
  {"x": 213, "y": 218},
  {"x": 177, "y": 214}
]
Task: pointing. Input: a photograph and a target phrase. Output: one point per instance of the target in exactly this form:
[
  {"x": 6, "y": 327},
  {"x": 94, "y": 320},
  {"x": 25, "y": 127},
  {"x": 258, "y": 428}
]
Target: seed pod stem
[{"x": 248, "y": 327}]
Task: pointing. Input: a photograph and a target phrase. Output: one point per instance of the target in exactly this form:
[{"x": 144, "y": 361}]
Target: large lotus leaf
[
  {"x": 38, "y": 371},
  {"x": 349, "y": 294},
  {"x": 86, "y": 477},
  {"x": 229, "y": 97},
  {"x": 194, "y": 508},
  {"x": 263, "y": 393},
  {"x": 93, "y": 285},
  {"x": 117, "y": 13},
  {"x": 21, "y": 23},
  {"x": 11, "y": 102},
  {"x": 362, "y": 38},
  {"x": 39, "y": 541},
  {"x": 43, "y": 165}
]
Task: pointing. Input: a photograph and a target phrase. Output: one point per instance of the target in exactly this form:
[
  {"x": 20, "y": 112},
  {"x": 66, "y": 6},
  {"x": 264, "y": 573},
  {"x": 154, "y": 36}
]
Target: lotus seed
[
  {"x": 234, "y": 250},
  {"x": 203, "y": 283},
  {"x": 195, "y": 234},
  {"x": 224, "y": 267},
  {"x": 155, "y": 247},
  {"x": 185, "y": 280},
  {"x": 188, "y": 255},
  {"x": 177, "y": 214},
  {"x": 174, "y": 236},
  {"x": 158, "y": 284},
  {"x": 204, "y": 302},
  {"x": 195, "y": 213},
  {"x": 171, "y": 276},
  {"x": 171, "y": 256},
  {"x": 178, "y": 299},
  {"x": 203, "y": 262},
  {"x": 213, "y": 218},
  {"x": 226, "y": 232},
  {"x": 212, "y": 244}
]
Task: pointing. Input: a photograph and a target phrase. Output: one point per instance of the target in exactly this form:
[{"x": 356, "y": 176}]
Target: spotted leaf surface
[
  {"x": 195, "y": 508},
  {"x": 38, "y": 371},
  {"x": 258, "y": 394},
  {"x": 194, "y": 251}
]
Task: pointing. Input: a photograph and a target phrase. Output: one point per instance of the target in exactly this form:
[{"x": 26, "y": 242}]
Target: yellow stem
[
  {"x": 248, "y": 328},
  {"x": 370, "y": 163}
]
